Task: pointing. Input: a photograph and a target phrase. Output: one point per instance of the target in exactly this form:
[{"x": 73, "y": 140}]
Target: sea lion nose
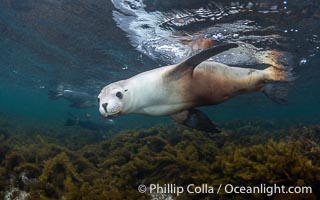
[{"x": 104, "y": 106}]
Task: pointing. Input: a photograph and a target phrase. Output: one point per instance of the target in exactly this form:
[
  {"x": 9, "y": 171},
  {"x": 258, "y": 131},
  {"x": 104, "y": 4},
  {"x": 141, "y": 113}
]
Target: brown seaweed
[{"x": 115, "y": 167}]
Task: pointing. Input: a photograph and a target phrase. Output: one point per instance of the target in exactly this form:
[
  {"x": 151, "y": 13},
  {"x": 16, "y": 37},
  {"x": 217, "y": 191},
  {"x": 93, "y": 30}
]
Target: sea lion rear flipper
[
  {"x": 190, "y": 63},
  {"x": 55, "y": 94},
  {"x": 195, "y": 119}
]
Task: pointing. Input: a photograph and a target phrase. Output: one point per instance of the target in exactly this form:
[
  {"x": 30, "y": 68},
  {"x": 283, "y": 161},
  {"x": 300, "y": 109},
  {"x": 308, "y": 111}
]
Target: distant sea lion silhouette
[
  {"x": 78, "y": 99},
  {"x": 176, "y": 90},
  {"x": 87, "y": 122}
]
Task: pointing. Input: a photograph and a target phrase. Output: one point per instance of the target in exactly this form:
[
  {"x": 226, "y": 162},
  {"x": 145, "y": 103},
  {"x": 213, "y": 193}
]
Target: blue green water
[
  {"x": 53, "y": 150},
  {"x": 78, "y": 44}
]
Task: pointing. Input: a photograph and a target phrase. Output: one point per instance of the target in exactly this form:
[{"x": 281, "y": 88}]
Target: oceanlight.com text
[{"x": 268, "y": 190}]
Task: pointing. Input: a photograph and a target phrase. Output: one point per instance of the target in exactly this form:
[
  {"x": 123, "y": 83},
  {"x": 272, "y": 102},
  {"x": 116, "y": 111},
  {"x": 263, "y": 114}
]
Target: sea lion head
[{"x": 112, "y": 100}]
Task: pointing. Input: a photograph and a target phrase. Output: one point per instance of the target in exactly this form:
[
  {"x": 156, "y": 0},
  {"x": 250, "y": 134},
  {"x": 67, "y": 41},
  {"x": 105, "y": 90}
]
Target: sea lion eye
[
  {"x": 98, "y": 100},
  {"x": 119, "y": 95}
]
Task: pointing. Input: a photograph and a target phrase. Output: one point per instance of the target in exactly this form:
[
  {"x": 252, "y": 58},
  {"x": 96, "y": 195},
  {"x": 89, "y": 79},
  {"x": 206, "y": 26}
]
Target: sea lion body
[
  {"x": 78, "y": 99},
  {"x": 211, "y": 83},
  {"x": 175, "y": 90}
]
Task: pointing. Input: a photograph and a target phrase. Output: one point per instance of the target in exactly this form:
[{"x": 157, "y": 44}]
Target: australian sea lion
[
  {"x": 176, "y": 90},
  {"x": 78, "y": 99},
  {"x": 88, "y": 122}
]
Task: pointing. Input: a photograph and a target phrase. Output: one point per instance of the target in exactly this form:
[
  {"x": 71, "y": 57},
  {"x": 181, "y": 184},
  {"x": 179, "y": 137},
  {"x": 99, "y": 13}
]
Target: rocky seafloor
[{"x": 71, "y": 163}]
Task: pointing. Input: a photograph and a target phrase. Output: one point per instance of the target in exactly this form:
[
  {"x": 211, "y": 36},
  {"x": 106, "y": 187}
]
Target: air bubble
[
  {"x": 235, "y": 36},
  {"x": 303, "y": 61}
]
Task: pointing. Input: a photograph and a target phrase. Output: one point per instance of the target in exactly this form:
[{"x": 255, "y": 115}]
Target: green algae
[{"x": 114, "y": 168}]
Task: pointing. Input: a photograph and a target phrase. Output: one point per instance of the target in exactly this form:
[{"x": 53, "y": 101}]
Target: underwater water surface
[{"x": 54, "y": 148}]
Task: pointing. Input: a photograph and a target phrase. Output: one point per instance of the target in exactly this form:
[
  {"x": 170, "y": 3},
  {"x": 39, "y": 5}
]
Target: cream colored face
[{"x": 111, "y": 100}]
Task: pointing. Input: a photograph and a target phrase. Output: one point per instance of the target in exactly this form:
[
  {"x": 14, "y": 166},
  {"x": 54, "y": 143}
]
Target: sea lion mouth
[{"x": 112, "y": 115}]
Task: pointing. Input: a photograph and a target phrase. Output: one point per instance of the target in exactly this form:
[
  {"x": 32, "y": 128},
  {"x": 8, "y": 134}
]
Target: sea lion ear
[{"x": 189, "y": 64}]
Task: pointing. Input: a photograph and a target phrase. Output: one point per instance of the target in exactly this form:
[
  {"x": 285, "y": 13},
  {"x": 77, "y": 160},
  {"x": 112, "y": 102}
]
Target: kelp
[{"x": 115, "y": 167}]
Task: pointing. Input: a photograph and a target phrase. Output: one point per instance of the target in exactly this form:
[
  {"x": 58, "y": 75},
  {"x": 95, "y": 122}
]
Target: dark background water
[{"x": 77, "y": 43}]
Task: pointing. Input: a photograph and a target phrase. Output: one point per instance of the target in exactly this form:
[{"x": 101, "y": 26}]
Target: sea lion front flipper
[
  {"x": 195, "y": 119},
  {"x": 189, "y": 64}
]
